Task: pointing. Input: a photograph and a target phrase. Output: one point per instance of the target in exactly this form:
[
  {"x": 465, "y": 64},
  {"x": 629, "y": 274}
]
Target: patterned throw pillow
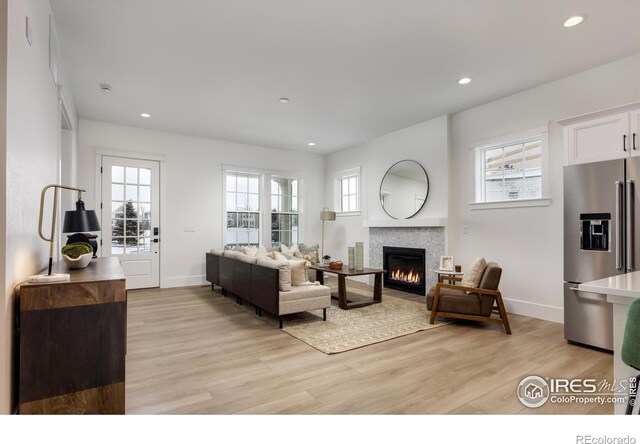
[
  {"x": 472, "y": 276},
  {"x": 312, "y": 257},
  {"x": 308, "y": 249}
]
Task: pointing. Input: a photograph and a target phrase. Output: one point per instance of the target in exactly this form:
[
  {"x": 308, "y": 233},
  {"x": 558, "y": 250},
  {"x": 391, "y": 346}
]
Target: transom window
[
  {"x": 243, "y": 208},
  {"x": 510, "y": 171}
]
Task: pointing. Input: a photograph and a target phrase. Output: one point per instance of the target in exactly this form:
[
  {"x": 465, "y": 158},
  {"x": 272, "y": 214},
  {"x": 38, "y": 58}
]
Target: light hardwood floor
[{"x": 191, "y": 351}]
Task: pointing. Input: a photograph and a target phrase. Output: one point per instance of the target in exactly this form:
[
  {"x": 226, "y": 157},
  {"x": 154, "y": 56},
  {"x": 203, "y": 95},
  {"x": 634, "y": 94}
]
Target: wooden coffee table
[{"x": 342, "y": 273}]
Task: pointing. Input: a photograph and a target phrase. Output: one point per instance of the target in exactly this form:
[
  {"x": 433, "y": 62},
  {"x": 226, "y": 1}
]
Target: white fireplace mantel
[{"x": 431, "y": 222}]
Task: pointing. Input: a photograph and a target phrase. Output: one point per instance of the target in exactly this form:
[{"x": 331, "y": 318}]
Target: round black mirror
[{"x": 404, "y": 189}]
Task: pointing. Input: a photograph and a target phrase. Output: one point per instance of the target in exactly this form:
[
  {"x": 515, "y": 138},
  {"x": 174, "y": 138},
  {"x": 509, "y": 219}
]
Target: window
[
  {"x": 284, "y": 211},
  {"x": 251, "y": 197},
  {"x": 511, "y": 171},
  {"x": 243, "y": 208},
  {"x": 347, "y": 191}
]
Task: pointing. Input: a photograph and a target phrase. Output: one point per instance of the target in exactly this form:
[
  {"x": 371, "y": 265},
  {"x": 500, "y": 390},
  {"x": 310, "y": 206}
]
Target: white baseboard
[
  {"x": 183, "y": 281},
  {"x": 533, "y": 310}
]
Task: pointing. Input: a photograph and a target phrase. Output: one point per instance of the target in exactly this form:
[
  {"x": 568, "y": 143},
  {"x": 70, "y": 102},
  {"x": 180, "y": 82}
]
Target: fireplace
[{"x": 405, "y": 269}]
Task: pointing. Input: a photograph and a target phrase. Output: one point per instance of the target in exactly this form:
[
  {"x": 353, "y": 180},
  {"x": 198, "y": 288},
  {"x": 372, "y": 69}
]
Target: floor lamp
[
  {"x": 80, "y": 218},
  {"x": 325, "y": 215}
]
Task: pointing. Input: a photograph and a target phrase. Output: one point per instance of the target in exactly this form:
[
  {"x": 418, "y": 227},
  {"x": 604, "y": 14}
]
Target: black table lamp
[{"x": 80, "y": 221}]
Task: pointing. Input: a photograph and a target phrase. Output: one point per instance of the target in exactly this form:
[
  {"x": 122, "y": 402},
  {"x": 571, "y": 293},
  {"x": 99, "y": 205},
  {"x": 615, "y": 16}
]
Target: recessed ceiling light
[
  {"x": 105, "y": 88},
  {"x": 311, "y": 144},
  {"x": 464, "y": 80},
  {"x": 145, "y": 115},
  {"x": 284, "y": 100},
  {"x": 575, "y": 20}
]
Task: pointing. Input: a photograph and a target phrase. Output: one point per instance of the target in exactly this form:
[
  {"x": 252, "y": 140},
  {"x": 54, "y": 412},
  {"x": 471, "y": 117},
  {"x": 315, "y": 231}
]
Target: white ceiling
[{"x": 353, "y": 69}]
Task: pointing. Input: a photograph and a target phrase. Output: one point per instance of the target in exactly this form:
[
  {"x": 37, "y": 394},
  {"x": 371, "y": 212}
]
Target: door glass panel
[
  {"x": 131, "y": 210},
  {"x": 132, "y": 175},
  {"x": 145, "y": 194},
  {"x": 117, "y": 192},
  {"x": 145, "y": 176},
  {"x": 132, "y": 193},
  {"x": 117, "y": 174},
  {"x": 117, "y": 210}
]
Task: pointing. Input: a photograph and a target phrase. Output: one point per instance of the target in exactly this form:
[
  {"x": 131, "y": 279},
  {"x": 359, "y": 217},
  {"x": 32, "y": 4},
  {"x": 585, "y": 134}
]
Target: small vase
[{"x": 80, "y": 262}]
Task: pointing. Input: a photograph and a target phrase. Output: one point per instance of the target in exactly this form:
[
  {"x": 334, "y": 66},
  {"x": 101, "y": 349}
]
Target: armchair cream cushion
[{"x": 473, "y": 274}]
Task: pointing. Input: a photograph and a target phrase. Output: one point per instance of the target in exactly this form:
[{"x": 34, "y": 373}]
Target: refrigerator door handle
[
  {"x": 619, "y": 228},
  {"x": 630, "y": 224}
]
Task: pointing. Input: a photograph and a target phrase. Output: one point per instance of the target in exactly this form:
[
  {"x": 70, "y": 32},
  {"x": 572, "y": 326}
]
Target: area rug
[{"x": 350, "y": 329}]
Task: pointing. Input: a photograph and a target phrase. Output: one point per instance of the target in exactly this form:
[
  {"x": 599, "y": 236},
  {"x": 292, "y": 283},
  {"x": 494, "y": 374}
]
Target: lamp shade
[
  {"x": 80, "y": 220},
  {"x": 327, "y": 215}
]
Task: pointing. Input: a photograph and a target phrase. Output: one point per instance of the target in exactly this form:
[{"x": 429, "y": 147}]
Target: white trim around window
[
  {"x": 264, "y": 199},
  {"x": 338, "y": 178},
  {"x": 526, "y": 198}
]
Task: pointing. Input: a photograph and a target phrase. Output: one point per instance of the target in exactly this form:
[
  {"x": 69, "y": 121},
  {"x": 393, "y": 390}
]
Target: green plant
[{"x": 76, "y": 249}]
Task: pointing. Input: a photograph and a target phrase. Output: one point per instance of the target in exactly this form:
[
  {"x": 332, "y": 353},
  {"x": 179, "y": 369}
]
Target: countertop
[{"x": 626, "y": 285}]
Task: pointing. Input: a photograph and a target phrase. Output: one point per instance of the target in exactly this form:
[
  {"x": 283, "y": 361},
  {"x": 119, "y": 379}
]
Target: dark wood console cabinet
[{"x": 73, "y": 342}]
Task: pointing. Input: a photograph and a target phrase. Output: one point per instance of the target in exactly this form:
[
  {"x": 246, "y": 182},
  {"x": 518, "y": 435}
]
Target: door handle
[
  {"x": 634, "y": 141},
  {"x": 619, "y": 227},
  {"x": 630, "y": 225},
  {"x": 624, "y": 142}
]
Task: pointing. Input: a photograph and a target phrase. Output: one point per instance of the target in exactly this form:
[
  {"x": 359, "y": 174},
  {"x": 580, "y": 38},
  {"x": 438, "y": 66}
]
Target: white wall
[
  {"x": 426, "y": 143},
  {"x": 32, "y": 160},
  {"x": 527, "y": 242},
  {"x": 5, "y": 306},
  {"x": 192, "y": 178}
]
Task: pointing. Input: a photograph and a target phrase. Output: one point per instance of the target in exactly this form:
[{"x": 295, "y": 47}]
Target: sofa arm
[{"x": 265, "y": 288}]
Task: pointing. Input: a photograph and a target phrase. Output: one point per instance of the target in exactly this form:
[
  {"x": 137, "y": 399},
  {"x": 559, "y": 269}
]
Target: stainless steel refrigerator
[{"x": 599, "y": 242}]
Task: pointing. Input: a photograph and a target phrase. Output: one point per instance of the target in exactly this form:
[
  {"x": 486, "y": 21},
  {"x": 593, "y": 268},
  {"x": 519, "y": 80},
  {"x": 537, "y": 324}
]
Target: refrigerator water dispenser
[{"x": 594, "y": 231}]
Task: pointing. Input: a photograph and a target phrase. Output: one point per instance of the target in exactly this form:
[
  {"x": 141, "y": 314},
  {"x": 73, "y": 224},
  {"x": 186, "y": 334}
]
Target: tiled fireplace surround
[{"x": 429, "y": 238}]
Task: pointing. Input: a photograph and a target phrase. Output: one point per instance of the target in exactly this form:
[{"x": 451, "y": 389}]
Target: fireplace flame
[{"x": 410, "y": 277}]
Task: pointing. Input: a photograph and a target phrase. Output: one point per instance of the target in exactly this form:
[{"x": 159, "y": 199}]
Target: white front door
[{"x": 130, "y": 218}]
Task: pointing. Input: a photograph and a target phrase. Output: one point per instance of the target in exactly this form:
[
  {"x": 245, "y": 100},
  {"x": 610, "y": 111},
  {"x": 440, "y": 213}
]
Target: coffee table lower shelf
[{"x": 343, "y": 302}]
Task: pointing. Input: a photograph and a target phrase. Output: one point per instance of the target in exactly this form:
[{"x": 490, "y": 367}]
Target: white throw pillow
[
  {"x": 284, "y": 271},
  {"x": 473, "y": 274},
  {"x": 298, "y": 272},
  {"x": 250, "y": 251},
  {"x": 289, "y": 250},
  {"x": 262, "y": 252},
  {"x": 279, "y": 256}
]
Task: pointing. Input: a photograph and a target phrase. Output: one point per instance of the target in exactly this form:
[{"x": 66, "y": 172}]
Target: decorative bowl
[
  {"x": 80, "y": 262},
  {"x": 335, "y": 265}
]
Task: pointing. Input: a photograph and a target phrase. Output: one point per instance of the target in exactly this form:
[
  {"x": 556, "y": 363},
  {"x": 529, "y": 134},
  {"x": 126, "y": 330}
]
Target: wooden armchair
[{"x": 453, "y": 301}]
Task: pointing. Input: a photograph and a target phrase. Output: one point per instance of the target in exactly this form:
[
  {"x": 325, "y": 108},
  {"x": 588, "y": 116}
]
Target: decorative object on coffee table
[
  {"x": 336, "y": 265},
  {"x": 352, "y": 258},
  {"x": 359, "y": 256},
  {"x": 325, "y": 214}
]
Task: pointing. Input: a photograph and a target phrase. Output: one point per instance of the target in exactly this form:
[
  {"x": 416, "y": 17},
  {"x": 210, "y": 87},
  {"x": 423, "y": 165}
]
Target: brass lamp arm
[{"x": 55, "y": 204}]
